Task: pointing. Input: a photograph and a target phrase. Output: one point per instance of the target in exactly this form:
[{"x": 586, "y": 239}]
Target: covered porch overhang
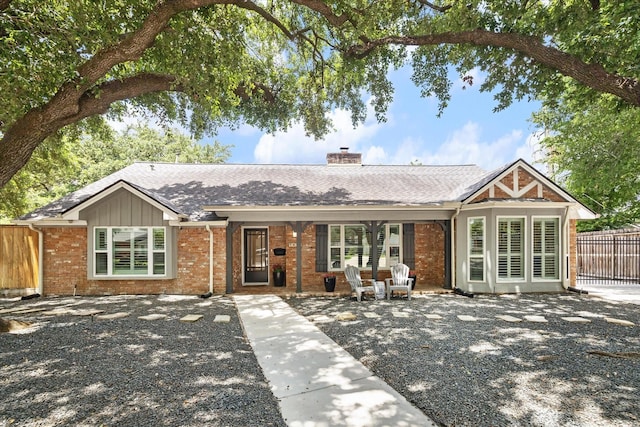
[{"x": 321, "y": 213}]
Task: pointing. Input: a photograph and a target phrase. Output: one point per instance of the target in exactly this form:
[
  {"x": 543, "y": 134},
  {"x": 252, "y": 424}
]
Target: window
[
  {"x": 546, "y": 248},
  {"x": 130, "y": 251},
  {"x": 351, "y": 244},
  {"x": 511, "y": 248},
  {"x": 476, "y": 234}
]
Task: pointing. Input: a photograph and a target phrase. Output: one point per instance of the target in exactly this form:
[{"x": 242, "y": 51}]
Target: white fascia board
[
  {"x": 514, "y": 204},
  {"x": 52, "y": 222},
  {"x": 74, "y": 213},
  {"x": 576, "y": 210},
  {"x": 220, "y": 224}
]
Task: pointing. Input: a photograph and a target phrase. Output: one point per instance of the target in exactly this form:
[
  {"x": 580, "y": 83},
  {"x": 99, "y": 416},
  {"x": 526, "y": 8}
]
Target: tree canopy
[
  {"x": 62, "y": 165},
  {"x": 207, "y": 63},
  {"x": 593, "y": 149}
]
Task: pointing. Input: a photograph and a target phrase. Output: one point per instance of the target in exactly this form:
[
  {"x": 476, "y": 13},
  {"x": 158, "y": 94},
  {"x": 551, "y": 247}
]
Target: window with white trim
[
  {"x": 511, "y": 248},
  {"x": 351, "y": 244},
  {"x": 129, "y": 251},
  {"x": 476, "y": 244},
  {"x": 546, "y": 248}
]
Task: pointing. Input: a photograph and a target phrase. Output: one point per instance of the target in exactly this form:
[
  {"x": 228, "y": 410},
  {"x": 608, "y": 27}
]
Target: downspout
[
  {"x": 567, "y": 249},
  {"x": 40, "y": 258},
  {"x": 210, "y": 258},
  {"x": 453, "y": 248}
]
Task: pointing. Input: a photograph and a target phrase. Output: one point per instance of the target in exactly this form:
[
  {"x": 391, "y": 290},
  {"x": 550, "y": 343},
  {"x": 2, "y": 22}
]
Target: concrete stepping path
[
  {"x": 156, "y": 316},
  {"x": 316, "y": 381},
  {"x": 619, "y": 321},
  {"x": 222, "y": 318},
  {"x": 118, "y": 315}
]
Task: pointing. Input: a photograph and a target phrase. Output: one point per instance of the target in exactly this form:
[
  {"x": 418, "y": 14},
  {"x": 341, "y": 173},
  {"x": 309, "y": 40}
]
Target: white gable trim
[
  {"x": 515, "y": 192},
  {"x": 74, "y": 213}
]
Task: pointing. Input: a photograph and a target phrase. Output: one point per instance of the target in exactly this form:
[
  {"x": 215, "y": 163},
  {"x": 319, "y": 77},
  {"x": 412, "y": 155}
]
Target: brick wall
[
  {"x": 573, "y": 252},
  {"x": 65, "y": 262},
  {"x": 430, "y": 246},
  {"x": 219, "y": 260},
  {"x": 429, "y": 259},
  {"x": 193, "y": 261},
  {"x": 65, "y": 266}
]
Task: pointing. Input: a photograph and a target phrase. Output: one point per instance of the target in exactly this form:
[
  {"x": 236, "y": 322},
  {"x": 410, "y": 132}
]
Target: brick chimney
[{"x": 344, "y": 157}]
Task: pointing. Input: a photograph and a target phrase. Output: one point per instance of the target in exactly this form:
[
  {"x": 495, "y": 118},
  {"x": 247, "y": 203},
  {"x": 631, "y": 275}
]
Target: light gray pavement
[
  {"x": 317, "y": 382},
  {"x": 622, "y": 292}
]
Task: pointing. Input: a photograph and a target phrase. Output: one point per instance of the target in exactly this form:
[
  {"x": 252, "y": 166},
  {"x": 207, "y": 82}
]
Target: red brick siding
[
  {"x": 551, "y": 195},
  {"x": 278, "y": 239},
  {"x": 481, "y": 197},
  {"x": 573, "y": 252},
  {"x": 430, "y": 246},
  {"x": 65, "y": 261},
  {"x": 219, "y": 260},
  {"x": 193, "y": 261},
  {"x": 65, "y": 266}
]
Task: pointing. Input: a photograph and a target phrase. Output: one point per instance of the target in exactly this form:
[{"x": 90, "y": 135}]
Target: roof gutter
[{"x": 221, "y": 223}]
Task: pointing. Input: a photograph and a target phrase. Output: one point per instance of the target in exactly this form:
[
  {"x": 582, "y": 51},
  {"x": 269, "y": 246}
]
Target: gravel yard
[
  {"x": 75, "y": 369},
  {"x": 487, "y": 371}
]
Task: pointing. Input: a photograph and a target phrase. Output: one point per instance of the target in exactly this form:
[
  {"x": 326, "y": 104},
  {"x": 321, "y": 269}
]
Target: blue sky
[{"x": 468, "y": 132}]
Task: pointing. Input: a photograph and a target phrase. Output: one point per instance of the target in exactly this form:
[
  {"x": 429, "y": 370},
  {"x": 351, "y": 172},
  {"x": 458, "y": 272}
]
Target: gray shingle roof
[{"x": 189, "y": 187}]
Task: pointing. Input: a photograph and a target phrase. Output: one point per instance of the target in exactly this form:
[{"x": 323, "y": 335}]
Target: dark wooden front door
[{"x": 256, "y": 252}]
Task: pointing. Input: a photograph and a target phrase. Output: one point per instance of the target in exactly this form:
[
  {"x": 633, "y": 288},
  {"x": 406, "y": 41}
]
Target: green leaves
[
  {"x": 91, "y": 151},
  {"x": 594, "y": 150},
  {"x": 271, "y": 63}
]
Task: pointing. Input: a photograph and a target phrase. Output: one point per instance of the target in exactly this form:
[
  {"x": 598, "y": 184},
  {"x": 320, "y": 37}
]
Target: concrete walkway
[
  {"x": 627, "y": 292},
  {"x": 316, "y": 381}
]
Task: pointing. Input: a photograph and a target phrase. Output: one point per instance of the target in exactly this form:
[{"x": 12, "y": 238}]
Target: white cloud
[
  {"x": 246, "y": 130},
  {"x": 463, "y": 146},
  {"x": 533, "y": 152},
  {"x": 375, "y": 155},
  {"x": 293, "y": 146}
]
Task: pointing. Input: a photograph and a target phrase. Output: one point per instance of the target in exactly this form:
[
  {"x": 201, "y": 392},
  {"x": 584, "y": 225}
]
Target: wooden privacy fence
[
  {"x": 609, "y": 257},
  {"x": 18, "y": 258}
]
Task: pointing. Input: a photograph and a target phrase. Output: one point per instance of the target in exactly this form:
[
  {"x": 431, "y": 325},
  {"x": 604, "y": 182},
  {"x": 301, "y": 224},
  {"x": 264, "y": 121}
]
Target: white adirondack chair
[
  {"x": 399, "y": 280},
  {"x": 353, "y": 277}
]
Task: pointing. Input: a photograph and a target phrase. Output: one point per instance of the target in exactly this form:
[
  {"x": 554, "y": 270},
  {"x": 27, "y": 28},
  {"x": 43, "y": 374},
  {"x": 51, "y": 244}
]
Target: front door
[{"x": 256, "y": 252}]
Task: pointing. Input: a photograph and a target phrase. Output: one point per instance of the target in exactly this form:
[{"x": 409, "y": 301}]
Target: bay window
[
  {"x": 511, "y": 248},
  {"x": 546, "y": 248},
  {"x": 476, "y": 245}
]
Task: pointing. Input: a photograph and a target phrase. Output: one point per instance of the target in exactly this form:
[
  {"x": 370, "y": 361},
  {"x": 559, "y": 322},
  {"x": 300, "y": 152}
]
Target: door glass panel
[{"x": 256, "y": 255}]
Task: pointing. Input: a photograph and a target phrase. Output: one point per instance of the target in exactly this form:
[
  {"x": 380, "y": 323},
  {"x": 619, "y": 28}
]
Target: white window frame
[
  {"x": 525, "y": 250},
  {"x": 109, "y": 251},
  {"x": 387, "y": 252},
  {"x": 555, "y": 218},
  {"x": 481, "y": 256}
]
